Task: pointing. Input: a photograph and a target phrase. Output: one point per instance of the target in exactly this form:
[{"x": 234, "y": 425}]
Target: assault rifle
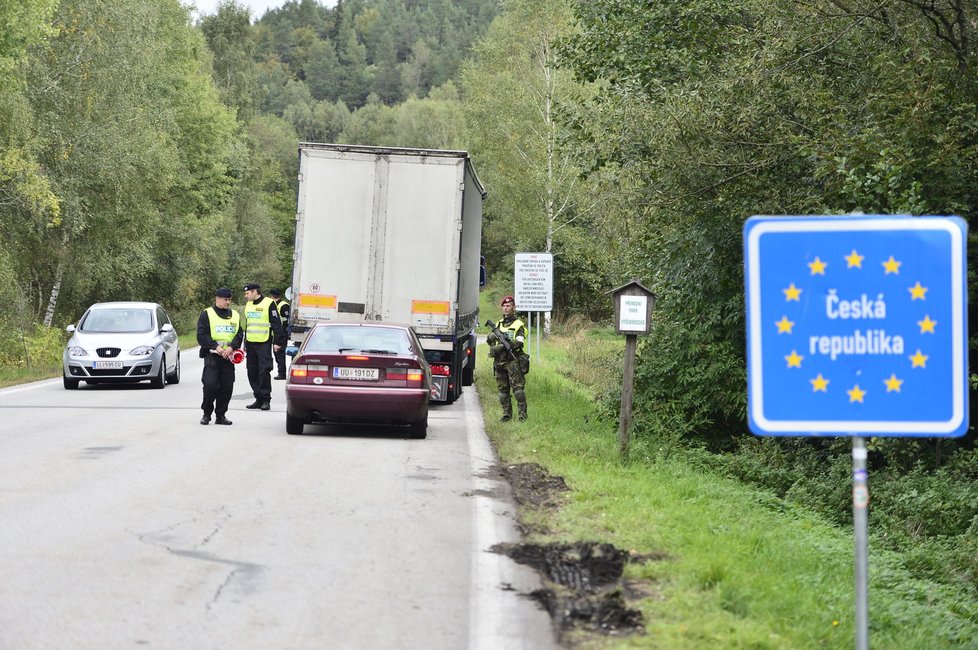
[{"x": 503, "y": 339}]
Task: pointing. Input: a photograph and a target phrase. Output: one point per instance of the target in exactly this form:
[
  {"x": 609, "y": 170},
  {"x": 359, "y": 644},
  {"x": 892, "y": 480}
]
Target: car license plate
[
  {"x": 107, "y": 365},
  {"x": 363, "y": 374}
]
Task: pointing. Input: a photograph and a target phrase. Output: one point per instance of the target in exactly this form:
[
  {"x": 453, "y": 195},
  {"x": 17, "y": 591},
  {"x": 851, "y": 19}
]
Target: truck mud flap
[{"x": 439, "y": 389}]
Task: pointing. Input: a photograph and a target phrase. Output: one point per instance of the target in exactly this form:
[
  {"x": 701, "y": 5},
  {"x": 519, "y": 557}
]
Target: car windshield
[
  {"x": 360, "y": 339},
  {"x": 117, "y": 320}
]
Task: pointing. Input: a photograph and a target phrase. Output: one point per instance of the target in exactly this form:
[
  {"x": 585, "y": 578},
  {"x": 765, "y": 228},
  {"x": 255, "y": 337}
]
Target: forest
[{"x": 147, "y": 155}]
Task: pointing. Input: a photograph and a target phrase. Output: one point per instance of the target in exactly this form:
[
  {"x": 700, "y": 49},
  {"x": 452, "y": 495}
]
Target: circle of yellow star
[
  {"x": 784, "y": 325},
  {"x": 817, "y": 267},
  {"x": 893, "y": 384},
  {"x": 891, "y": 266},
  {"x": 794, "y": 359},
  {"x": 854, "y": 259},
  {"x": 792, "y": 293},
  {"x": 856, "y": 394},
  {"x": 919, "y": 360},
  {"x": 917, "y": 291},
  {"x": 927, "y": 325},
  {"x": 820, "y": 383}
]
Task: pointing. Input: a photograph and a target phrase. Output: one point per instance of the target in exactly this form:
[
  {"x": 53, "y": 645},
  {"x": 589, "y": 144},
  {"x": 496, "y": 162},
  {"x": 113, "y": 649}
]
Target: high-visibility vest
[
  {"x": 223, "y": 330},
  {"x": 278, "y": 308},
  {"x": 258, "y": 323},
  {"x": 511, "y": 329}
]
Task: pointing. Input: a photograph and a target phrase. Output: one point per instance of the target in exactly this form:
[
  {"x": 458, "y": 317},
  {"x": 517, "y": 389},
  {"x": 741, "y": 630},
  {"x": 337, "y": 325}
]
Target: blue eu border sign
[{"x": 856, "y": 326}]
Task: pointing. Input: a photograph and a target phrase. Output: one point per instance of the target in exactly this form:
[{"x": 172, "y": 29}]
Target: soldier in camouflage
[{"x": 509, "y": 375}]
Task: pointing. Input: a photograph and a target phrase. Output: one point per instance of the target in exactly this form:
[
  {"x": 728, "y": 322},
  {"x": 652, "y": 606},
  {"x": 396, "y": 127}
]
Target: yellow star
[
  {"x": 820, "y": 383},
  {"x": 891, "y": 266},
  {"x": 794, "y": 360},
  {"x": 784, "y": 325},
  {"x": 917, "y": 291},
  {"x": 893, "y": 384},
  {"x": 792, "y": 293},
  {"x": 927, "y": 325},
  {"x": 817, "y": 267},
  {"x": 919, "y": 360},
  {"x": 856, "y": 394},
  {"x": 854, "y": 259}
]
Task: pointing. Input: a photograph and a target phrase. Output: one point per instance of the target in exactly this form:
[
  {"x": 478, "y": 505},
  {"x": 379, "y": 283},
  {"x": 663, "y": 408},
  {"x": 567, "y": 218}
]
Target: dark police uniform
[
  {"x": 263, "y": 328},
  {"x": 216, "y": 326},
  {"x": 284, "y": 311}
]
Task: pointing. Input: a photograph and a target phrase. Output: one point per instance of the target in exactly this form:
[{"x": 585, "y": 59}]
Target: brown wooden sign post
[{"x": 633, "y": 317}]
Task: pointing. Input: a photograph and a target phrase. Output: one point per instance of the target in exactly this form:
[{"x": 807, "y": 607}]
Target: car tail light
[
  {"x": 356, "y": 358},
  {"x": 308, "y": 374},
  {"x": 439, "y": 369}
]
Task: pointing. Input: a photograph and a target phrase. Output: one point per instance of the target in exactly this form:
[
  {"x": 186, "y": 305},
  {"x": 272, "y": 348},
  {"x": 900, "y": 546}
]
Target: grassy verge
[{"x": 740, "y": 568}]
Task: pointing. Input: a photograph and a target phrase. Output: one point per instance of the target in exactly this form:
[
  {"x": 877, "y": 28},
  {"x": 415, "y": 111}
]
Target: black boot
[
  {"x": 255, "y": 405},
  {"x": 222, "y": 420},
  {"x": 206, "y": 419}
]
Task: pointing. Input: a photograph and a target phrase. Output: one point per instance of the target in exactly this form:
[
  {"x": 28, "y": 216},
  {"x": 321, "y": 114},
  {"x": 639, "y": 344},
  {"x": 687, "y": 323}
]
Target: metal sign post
[{"x": 857, "y": 326}]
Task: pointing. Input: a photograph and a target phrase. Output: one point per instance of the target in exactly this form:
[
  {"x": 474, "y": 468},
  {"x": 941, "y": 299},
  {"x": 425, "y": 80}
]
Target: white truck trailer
[{"x": 392, "y": 234}]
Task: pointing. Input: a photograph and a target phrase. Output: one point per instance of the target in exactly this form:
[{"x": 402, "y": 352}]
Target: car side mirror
[
  {"x": 292, "y": 350},
  {"x": 70, "y": 329},
  {"x": 167, "y": 328}
]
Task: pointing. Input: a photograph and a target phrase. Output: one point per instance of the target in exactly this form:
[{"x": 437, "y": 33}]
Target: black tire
[
  {"x": 294, "y": 426},
  {"x": 70, "y": 384},
  {"x": 159, "y": 381},
  {"x": 175, "y": 377},
  {"x": 468, "y": 373},
  {"x": 419, "y": 430}
]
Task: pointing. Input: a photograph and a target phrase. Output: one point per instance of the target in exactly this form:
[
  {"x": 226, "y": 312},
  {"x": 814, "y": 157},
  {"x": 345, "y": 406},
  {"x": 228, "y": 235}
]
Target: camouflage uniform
[{"x": 509, "y": 376}]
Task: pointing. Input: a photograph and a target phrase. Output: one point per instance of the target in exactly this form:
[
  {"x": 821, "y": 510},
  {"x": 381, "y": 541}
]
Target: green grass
[{"x": 743, "y": 569}]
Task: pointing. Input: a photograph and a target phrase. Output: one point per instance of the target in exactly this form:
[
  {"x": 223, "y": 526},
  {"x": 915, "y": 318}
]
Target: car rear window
[
  {"x": 117, "y": 320},
  {"x": 359, "y": 339}
]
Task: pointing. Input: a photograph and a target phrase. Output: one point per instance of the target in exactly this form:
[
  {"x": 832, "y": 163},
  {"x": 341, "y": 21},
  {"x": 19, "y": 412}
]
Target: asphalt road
[{"x": 124, "y": 523}]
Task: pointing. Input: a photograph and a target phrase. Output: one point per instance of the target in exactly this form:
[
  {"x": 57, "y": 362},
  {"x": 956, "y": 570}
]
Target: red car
[{"x": 369, "y": 372}]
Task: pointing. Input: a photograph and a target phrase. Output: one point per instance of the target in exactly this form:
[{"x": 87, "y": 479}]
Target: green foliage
[{"x": 737, "y": 565}]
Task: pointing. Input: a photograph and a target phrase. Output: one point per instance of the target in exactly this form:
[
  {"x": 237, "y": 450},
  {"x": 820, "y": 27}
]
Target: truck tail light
[{"x": 441, "y": 369}]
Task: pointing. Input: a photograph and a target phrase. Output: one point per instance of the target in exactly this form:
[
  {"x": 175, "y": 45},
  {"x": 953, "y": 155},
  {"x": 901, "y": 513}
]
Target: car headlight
[
  {"x": 75, "y": 351},
  {"x": 142, "y": 350}
]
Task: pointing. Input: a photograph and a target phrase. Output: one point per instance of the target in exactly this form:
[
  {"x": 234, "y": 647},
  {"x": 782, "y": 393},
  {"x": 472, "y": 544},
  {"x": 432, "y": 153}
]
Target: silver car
[{"x": 119, "y": 342}]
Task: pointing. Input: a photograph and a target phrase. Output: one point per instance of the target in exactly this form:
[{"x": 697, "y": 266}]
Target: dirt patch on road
[
  {"x": 583, "y": 586},
  {"x": 533, "y": 486}
]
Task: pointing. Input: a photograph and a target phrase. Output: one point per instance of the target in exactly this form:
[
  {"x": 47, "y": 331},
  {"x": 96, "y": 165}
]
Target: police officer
[
  {"x": 263, "y": 337},
  {"x": 509, "y": 375},
  {"x": 219, "y": 335},
  {"x": 284, "y": 310}
]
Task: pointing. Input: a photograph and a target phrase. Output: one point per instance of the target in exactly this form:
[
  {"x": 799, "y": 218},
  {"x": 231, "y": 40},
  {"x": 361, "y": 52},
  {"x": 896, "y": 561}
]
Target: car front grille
[
  {"x": 109, "y": 372},
  {"x": 108, "y": 352}
]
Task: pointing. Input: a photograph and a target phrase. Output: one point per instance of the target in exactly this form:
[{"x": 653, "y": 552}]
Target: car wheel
[
  {"x": 419, "y": 430},
  {"x": 159, "y": 381},
  {"x": 293, "y": 425},
  {"x": 175, "y": 377},
  {"x": 70, "y": 384}
]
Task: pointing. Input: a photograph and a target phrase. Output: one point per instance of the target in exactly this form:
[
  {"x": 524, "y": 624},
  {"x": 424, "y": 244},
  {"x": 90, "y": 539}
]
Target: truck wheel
[
  {"x": 294, "y": 426},
  {"x": 467, "y": 376}
]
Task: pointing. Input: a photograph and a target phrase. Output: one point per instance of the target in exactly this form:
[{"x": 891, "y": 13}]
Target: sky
[{"x": 258, "y": 7}]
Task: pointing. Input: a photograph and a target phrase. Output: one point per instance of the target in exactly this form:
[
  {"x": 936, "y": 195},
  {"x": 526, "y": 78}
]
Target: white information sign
[
  {"x": 631, "y": 317},
  {"x": 534, "y": 280}
]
